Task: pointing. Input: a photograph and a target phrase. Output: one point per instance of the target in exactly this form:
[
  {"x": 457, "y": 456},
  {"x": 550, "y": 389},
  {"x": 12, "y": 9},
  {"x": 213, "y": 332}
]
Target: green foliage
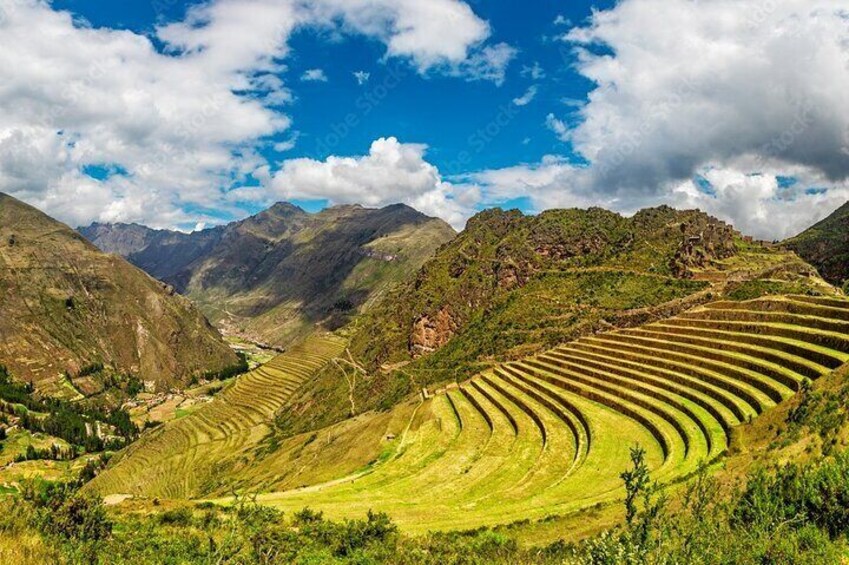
[
  {"x": 61, "y": 510},
  {"x": 239, "y": 368},
  {"x": 53, "y": 453},
  {"x": 798, "y": 515},
  {"x": 799, "y": 495},
  {"x": 749, "y": 290},
  {"x": 63, "y": 419},
  {"x": 92, "y": 467},
  {"x": 823, "y": 412}
]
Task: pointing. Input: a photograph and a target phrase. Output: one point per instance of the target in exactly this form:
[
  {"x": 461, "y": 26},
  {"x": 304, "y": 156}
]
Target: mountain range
[{"x": 277, "y": 275}]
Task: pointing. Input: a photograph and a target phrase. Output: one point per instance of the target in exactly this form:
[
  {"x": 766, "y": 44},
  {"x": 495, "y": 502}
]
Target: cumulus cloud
[
  {"x": 391, "y": 172},
  {"x": 527, "y": 97},
  {"x": 314, "y": 75},
  {"x": 761, "y": 204},
  {"x": 762, "y": 82},
  {"x": 742, "y": 92},
  {"x": 179, "y": 120}
]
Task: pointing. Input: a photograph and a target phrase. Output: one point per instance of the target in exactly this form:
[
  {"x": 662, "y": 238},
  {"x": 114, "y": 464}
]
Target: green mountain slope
[
  {"x": 513, "y": 285},
  {"x": 825, "y": 245},
  {"x": 277, "y": 275},
  {"x": 67, "y": 307}
]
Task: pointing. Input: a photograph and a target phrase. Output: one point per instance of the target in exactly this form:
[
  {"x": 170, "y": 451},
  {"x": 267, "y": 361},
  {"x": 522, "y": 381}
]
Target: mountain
[
  {"x": 276, "y": 275},
  {"x": 825, "y": 245},
  {"x": 65, "y": 306},
  {"x": 512, "y": 285},
  {"x": 160, "y": 253}
]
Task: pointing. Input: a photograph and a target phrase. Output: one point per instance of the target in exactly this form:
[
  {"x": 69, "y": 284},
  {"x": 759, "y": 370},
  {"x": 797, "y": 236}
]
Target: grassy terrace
[
  {"x": 550, "y": 434},
  {"x": 179, "y": 458},
  {"x": 546, "y": 435}
]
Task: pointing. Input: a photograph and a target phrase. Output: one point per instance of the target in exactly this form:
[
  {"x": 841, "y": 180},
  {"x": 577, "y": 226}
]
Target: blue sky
[
  {"x": 178, "y": 114},
  {"x": 446, "y": 113}
]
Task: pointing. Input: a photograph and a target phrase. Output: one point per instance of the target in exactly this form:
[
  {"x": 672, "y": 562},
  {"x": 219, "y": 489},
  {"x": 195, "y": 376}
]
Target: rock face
[
  {"x": 428, "y": 334},
  {"x": 65, "y": 305},
  {"x": 825, "y": 245},
  {"x": 277, "y": 274}
]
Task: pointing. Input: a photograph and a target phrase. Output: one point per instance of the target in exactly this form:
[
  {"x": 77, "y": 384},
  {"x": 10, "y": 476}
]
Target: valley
[{"x": 500, "y": 380}]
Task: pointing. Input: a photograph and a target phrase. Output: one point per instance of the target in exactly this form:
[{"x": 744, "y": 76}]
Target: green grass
[
  {"x": 547, "y": 435},
  {"x": 183, "y": 456}
]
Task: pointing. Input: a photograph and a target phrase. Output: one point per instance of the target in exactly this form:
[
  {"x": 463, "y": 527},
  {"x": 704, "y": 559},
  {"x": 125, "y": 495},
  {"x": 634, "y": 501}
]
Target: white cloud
[
  {"x": 562, "y": 20},
  {"x": 763, "y": 82},
  {"x": 558, "y": 126},
  {"x": 527, "y": 97},
  {"x": 536, "y": 72},
  {"x": 185, "y": 122},
  {"x": 489, "y": 63},
  {"x": 749, "y": 88},
  {"x": 758, "y": 205},
  {"x": 362, "y": 77},
  {"x": 391, "y": 172},
  {"x": 314, "y": 75}
]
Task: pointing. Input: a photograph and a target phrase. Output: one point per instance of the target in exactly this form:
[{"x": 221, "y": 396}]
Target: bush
[
  {"x": 177, "y": 517},
  {"x": 61, "y": 510}
]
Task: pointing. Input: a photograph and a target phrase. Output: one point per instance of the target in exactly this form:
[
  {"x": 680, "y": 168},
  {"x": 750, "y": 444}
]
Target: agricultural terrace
[
  {"x": 176, "y": 459},
  {"x": 550, "y": 434}
]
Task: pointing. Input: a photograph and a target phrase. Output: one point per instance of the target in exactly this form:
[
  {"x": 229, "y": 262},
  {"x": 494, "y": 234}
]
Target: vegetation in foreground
[{"x": 799, "y": 514}]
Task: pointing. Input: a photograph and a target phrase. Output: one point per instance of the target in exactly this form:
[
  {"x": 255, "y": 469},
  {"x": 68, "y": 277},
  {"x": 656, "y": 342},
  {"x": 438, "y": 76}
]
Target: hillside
[
  {"x": 825, "y": 245},
  {"x": 512, "y": 285},
  {"x": 576, "y": 329},
  {"x": 67, "y": 310},
  {"x": 533, "y": 439},
  {"x": 276, "y": 275}
]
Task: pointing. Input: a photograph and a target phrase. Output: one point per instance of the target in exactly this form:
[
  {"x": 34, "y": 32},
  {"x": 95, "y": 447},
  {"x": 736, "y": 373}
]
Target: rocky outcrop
[{"x": 431, "y": 333}]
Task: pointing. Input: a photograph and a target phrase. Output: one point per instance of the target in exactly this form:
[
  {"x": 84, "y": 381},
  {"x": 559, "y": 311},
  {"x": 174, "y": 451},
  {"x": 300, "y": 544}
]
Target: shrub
[{"x": 176, "y": 517}]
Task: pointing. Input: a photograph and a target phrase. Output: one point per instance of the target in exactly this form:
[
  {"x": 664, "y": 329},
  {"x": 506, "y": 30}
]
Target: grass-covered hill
[
  {"x": 542, "y": 437},
  {"x": 278, "y": 274},
  {"x": 825, "y": 245},
  {"x": 511, "y": 285},
  {"x": 67, "y": 310}
]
